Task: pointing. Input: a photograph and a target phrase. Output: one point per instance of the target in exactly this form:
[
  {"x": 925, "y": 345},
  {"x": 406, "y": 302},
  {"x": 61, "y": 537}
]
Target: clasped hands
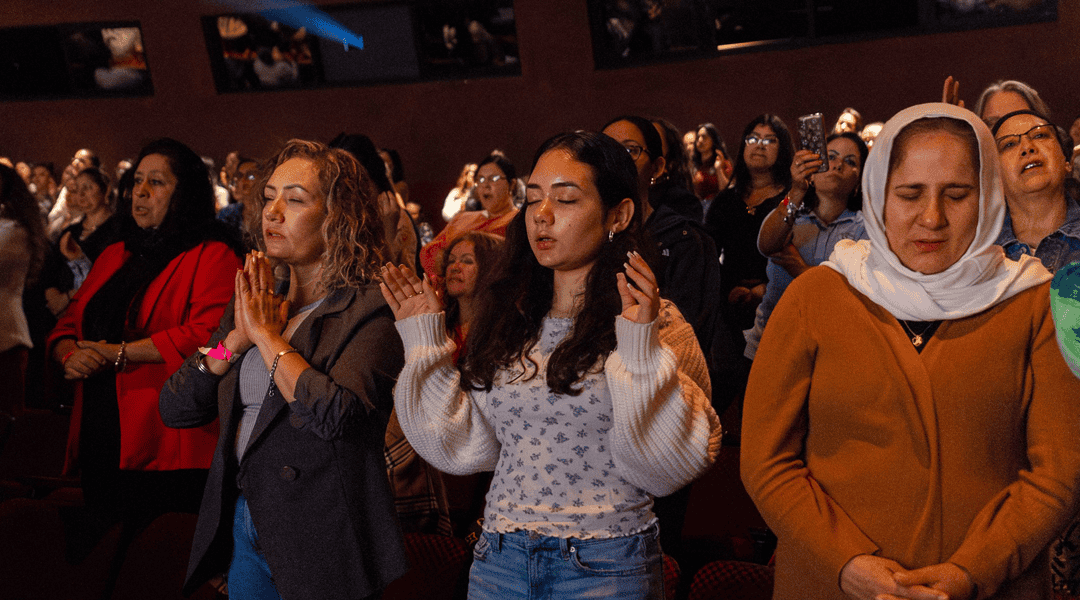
[
  {"x": 408, "y": 295},
  {"x": 257, "y": 311},
  {"x": 89, "y": 358},
  {"x": 869, "y": 577}
]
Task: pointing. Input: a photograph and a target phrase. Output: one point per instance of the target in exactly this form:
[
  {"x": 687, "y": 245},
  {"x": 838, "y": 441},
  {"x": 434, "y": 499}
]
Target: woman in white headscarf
[{"x": 910, "y": 425}]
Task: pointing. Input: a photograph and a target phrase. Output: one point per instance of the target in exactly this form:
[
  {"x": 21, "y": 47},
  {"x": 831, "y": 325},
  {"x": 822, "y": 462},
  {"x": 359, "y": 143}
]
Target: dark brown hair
[{"x": 512, "y": 309}]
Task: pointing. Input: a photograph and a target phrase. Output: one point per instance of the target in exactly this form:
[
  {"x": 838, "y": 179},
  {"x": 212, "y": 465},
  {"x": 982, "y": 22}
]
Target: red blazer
[{"x": 181, "y": 309}]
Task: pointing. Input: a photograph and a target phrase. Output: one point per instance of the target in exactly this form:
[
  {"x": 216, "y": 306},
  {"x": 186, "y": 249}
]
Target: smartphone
[{"x": 812, "y": 136}]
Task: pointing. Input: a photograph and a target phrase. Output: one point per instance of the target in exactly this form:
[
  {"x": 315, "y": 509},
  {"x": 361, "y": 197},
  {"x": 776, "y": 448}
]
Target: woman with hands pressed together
[
  {"x": 893, "y": 454},
  {"x": 583, "y": 390},
  {"x": 297, "y": 504}
]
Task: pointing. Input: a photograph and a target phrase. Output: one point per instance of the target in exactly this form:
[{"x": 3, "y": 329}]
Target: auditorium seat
[
  {"x": 732, "y": 580},
  {"x": 32, "y": 564}
]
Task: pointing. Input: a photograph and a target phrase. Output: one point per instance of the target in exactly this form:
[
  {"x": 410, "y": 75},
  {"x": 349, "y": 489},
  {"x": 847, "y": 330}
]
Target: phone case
[{"x": 812, "y": 135}]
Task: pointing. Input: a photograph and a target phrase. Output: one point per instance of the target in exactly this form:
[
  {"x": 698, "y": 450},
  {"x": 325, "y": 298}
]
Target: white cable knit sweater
[{"x": 567, "y": 466}]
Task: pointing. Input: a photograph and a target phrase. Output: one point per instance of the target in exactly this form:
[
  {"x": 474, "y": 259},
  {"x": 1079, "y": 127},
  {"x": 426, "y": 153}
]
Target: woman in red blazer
[{"x": 150, "y": 301}]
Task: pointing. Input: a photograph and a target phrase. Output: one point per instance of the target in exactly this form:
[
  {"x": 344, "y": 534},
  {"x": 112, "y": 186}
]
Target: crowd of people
[{"x": 289, "y": 349}]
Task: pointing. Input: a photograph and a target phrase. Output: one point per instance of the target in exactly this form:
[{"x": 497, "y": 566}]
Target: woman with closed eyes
[{"x": 583, "y": 390}]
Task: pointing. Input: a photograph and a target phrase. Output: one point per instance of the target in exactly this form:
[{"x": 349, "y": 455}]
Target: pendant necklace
[{"x": 917, "y": 338}]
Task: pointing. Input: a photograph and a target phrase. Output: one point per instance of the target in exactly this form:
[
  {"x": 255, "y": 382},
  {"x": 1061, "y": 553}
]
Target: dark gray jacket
[{"x": 313, "y": 473}]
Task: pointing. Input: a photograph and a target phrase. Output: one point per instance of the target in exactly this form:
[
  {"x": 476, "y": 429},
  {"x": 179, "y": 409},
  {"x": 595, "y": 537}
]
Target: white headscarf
[{"x": 981, "y": 278}]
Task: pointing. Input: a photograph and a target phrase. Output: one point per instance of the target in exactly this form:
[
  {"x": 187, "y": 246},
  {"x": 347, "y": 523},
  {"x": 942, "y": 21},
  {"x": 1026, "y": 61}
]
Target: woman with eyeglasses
[
  {"x": 495, "y": 185},
  {"x": 761, "y": 179},
  {"x": 1042, "y": 220}
]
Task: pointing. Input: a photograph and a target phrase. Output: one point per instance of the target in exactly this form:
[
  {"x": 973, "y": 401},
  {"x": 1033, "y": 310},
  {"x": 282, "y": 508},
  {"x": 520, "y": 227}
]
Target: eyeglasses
[
  {"x": 753, "y": 140},
  {"x": 634, "y": 150},
  {"x": 248, "y": 177},
  {"x": 1037, "y": 133},
  {"x": 493, "y": 179}
]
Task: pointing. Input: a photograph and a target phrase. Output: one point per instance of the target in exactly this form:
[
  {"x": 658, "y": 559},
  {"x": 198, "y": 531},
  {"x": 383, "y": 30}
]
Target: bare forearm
[{"x": 289, "y": 365}]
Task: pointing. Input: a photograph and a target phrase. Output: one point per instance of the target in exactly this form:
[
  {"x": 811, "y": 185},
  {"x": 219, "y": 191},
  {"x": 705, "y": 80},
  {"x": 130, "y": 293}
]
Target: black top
[{"x": 919, "y": 332}]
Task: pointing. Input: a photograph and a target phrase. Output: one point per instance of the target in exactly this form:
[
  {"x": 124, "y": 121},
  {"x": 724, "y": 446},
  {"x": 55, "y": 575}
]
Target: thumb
[{"x": 284, "y": 310}]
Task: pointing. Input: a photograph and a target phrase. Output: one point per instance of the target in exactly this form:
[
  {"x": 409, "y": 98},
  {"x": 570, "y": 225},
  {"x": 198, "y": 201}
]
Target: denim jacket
[{"x": 1055, "y": 250}]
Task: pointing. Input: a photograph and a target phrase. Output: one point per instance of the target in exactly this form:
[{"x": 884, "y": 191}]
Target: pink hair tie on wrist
[{"x": 220, "y": 353}]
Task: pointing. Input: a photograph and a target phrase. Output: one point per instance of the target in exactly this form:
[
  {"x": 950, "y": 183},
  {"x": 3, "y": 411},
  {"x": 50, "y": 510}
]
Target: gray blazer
[{"x": 313, "y": 472}]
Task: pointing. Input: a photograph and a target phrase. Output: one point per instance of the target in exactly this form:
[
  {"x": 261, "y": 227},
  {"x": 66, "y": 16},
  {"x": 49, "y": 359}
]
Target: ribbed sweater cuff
[
  {"x": 638, "y": 345},
  {"x": 426, "y": 330}
]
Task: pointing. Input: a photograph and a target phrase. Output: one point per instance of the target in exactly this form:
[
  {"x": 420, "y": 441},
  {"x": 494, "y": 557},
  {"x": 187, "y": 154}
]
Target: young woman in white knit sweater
[{"x": 583, "y": 390}]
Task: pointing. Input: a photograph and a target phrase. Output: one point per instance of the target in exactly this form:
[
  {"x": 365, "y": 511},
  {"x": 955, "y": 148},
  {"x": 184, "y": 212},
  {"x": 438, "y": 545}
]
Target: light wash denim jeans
[
  {"x": 249, "y": 575},
  {"x": 528, "y": 566}
]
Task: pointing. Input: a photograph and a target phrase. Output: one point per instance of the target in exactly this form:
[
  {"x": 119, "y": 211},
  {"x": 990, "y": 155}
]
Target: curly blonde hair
[{"x": 352, "y": 230}]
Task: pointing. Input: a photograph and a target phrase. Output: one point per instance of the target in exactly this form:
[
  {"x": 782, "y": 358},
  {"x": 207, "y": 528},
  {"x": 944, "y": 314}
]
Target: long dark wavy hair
[
  {"x": 781, "y": 169},
  {"x": 706, "y": 162},
  {"x": 855, "y": 199},
  {"x": 512, "y": 309},
  {"x": 18, "y": 204}
]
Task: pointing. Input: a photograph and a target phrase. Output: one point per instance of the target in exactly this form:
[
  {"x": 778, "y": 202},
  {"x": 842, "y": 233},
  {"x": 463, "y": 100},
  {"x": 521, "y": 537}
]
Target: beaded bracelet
[{"x": 121, "y": 358}]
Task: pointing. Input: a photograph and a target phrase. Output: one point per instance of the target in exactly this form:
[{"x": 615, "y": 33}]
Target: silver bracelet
[
  {"x": 273, "y": 367},
  {"x": 200, "y": 361}
]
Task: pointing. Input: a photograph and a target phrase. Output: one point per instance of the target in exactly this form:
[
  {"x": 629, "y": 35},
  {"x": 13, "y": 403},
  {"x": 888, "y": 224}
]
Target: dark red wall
[{"x": 439, "y": 126}]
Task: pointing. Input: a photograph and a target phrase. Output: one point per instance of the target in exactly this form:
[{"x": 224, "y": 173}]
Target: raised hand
[
  {"x": 803, "y": 165},
  {"x": 640, "y": 301},
  {"x": 950, "y": 93},
  {"x": 69, "y": 247},
  {"x": 407, "y": 294}
]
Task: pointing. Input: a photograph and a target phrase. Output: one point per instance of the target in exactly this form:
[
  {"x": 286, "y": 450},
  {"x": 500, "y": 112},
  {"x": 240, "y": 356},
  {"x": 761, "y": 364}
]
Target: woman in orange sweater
[{"x": 910, "y": 425}]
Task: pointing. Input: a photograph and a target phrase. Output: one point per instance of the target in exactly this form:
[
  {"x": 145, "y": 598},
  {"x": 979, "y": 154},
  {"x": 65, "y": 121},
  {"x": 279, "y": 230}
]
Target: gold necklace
[{"x": 916, "y": 338}]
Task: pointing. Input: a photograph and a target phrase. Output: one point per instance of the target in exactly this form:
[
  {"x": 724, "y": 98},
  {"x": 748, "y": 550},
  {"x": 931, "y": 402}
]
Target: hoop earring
[{"x": 611, "y": 235}]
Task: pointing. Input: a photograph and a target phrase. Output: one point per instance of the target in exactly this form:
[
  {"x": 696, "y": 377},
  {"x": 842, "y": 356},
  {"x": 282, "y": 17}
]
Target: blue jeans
[
  {"x": 528, "y": 566},
  {"x": 249, "y": 574}
]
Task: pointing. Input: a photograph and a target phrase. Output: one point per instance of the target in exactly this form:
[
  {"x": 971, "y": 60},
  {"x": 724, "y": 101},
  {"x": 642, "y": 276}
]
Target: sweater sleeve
[
  {"x": 445, "y": 425},
  {"x": 775, "y": 427},
  {"x": 665, "y": 431},
  {"x": 1017, "y": 524}
]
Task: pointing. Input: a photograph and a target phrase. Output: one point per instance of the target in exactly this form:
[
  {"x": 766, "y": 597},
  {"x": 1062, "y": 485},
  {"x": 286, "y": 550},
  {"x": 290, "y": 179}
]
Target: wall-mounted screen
[
  {"x": 634, "y": 32},
  {"x": 402, "y": 42},
  {"x": 73, "y": 60}
]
